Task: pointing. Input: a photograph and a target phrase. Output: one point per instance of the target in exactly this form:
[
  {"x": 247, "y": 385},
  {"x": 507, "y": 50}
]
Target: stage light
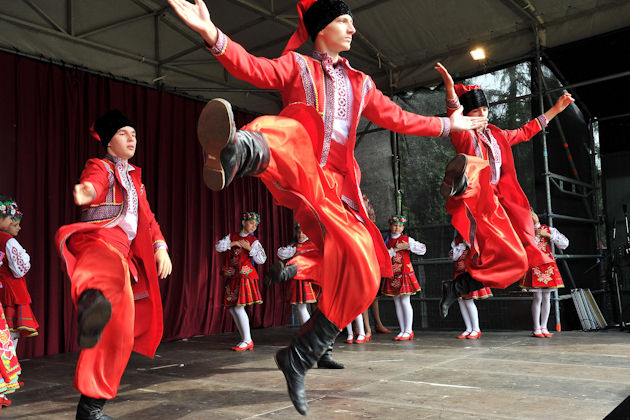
[{"x": 478, "y": 54}]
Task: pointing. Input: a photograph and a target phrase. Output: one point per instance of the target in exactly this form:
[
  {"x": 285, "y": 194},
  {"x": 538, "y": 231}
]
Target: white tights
[
  {"x": 541, "y": 306},
  {"x": 404, "y": 313},
  {"x": 242, "y": 322},
  {"x": 301, "y": 312},
  {"x": 470, "y": 314},
  {"x": 358, "y": 322},
  {"x": 15, "y": 336}
]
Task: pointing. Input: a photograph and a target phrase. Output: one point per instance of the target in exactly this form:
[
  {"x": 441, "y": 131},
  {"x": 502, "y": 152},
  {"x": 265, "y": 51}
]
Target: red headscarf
[{"x": 300, "y": 35}]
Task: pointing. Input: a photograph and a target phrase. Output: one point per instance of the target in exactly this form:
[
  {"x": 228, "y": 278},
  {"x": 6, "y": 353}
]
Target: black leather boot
[
  {"x": 279, "y": 273},
  {"x": 228, "y": 153},
  {"x": 91, "y": 409},
  {"x": 314, "y": 338},
  {"x": 327, "y": 362},
  {"x": 94, "y": 313},
  {"x": 455, "y": 180},
  {"x": 453, "y": 289}
]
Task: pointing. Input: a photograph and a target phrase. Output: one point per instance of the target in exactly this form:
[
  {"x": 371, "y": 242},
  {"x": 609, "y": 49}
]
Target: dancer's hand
[
  {"x": 197, "y": 17},
  {"x": 84, "y": 193},
  {"x": 563, "y": 101},
  {"x": 401, "y": 246},
  {"x": 245, "y": 245},
  {"x": 461, "y": 123},
  {"x": 164, "y": 265},
  {"x": 446, "y": 76}
]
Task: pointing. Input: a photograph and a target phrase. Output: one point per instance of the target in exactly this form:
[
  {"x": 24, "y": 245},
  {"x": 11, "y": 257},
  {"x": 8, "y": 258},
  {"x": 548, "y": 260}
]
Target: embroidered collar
[
  {"x": 119, "y": 162},
  {"x": 244, "y": 235},
  {"x": 327, "y": 60},
  {"x": 395, "y": 236}
]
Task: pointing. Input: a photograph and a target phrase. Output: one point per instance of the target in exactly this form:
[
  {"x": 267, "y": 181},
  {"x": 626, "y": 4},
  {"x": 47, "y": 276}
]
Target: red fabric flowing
[
  {"x": 45, "y": 116},
  {"x": 300, "y": 35},
  {"x": 497, "y": 257}
]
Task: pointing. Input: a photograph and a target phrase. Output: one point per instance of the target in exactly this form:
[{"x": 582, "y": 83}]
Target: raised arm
[
  {"x": 261, "y": 72},
  {"x": 563, "y": 102},
  {"x": 197, "y": 17}
]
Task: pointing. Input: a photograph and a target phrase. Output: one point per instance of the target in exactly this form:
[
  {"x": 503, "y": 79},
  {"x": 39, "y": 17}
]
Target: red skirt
[
  {"x": 403, "y": 284},
  {"x": 545, "y": 276},
  {"x": 482, "y": 293},
  {"x": 10, "y": 368},
  {"x": 20, "y": 318},
  {"x": 302, "y": 291},
  {"x": 241, "y": 291}
]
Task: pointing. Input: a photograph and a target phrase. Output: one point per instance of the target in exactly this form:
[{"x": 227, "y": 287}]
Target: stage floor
[{"x": 504, "y": 375}]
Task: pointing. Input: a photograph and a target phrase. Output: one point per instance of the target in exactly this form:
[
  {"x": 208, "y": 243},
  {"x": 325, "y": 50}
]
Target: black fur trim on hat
[
  {"x": 321, "y": 13},
  {"x": 109, "y": 123},
  {"x": 473, "y": 99}
]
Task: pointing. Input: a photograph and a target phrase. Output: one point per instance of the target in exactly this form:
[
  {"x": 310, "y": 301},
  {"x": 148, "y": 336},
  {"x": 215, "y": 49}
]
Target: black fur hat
[
  {"x": 321, "y": 13},
  {"x": 108, "y": 124}
]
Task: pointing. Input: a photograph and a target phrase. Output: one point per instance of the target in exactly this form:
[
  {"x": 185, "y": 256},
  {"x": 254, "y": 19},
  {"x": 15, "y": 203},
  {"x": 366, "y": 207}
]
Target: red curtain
[{"x": 45, "y": 113}]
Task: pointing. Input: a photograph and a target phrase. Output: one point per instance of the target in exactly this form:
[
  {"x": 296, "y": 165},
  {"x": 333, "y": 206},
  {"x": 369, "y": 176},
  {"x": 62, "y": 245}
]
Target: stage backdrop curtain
[{"x": 45, "y": 114}]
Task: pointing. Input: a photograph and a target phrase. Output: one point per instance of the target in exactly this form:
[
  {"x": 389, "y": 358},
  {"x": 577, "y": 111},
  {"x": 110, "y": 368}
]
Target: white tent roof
[{"x": 398, "y": 41}]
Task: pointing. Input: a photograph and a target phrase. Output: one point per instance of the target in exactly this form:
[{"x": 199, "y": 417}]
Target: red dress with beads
[
  {"x": 404, "y": 281},
  {"x": 241, "y": 277},
  {"x": 302, "y": 287},
  {"x": 546, "y": 275},
  {"x": 459, "y": 268},
  {"x": 14, "y": 295}
]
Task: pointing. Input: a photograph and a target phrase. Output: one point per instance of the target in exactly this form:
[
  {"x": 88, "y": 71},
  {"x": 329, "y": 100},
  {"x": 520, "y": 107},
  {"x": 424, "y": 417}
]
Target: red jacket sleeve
[
  {"x": 96, "y": 173},
  {"x": 261, "y": 72},
  {"x": 383, "y": 111},
  {"x": 525, "y": 132}
]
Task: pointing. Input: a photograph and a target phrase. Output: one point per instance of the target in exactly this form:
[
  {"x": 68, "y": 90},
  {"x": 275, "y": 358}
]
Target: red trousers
[
  {"x": 497, "y": 258},
  {"x": 349, "y": 275},
  {"x": 101, "y": 263}
]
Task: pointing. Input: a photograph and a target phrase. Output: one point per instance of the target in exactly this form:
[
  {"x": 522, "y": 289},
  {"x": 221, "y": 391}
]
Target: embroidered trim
[
  {"x": 453, "y": 103},
  {"x": 542, "y": 121},
  {"x": 307, "y": 81},
  {"x": 446, "y": 127},
  {"x": 220, "y": 46}
]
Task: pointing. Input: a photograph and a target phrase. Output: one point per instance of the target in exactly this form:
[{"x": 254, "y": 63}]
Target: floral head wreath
[
  {"x": 9, "y": 208},
  {"x": 252, "y": 215},
  {"x": 398, "y": 219}
]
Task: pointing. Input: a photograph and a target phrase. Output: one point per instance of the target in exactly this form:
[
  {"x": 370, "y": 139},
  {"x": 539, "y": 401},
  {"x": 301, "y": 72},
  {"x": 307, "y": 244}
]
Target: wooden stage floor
[{"x": 504, "y": 375}]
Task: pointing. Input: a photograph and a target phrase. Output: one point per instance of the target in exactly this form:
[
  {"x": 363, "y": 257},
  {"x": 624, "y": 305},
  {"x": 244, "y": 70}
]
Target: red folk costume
[
  {"x": 14, "y": 294},
  {"x": 306, "y": 256},
  {"x": 459, "y": 252},
  {"x": 10, "y": 368},
  {"x": 546, "y": 275},
  {"x": 493, "y": 214},
  {"x": 102, "y": 253},
  {"x": 241, "y": 277},
  {"x": 404, "y": 281},
  {"x": 312, "y": 168}
]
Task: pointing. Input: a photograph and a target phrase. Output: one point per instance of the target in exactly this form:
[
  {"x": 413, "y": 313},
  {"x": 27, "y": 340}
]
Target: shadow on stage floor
[{"x": 504, "y": 375}]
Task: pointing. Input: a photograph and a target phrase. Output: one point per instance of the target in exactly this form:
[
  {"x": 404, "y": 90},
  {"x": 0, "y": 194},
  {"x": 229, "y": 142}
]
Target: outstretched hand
[
  {"x": 197, "y": 17},
  {"x": 84, "y": 193},
  {"x": 461, "y": 123},
  {"x": 446, "y": 76},
  {"x": 564, "y": 101}
]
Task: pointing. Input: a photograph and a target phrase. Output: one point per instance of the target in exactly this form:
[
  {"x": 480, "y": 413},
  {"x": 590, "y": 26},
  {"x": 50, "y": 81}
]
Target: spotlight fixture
[{"x": 478, "y": 54}]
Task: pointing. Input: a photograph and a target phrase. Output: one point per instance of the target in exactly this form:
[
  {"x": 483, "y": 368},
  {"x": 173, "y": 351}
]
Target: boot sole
[
  {"x": 215, "y": 129},
  {"x": 92, "y": 323},
  {"x": 454, "y": 170}
]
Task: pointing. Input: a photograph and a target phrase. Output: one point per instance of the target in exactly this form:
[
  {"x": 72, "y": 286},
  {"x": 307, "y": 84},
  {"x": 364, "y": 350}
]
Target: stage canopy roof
[{"x": 398, "y": 41}]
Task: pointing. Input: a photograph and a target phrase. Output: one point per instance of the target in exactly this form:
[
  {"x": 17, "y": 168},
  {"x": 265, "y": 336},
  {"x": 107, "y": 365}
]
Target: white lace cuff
[
  {"x": 223, "y": 245},
  {"x": 18, "y": 260},
  {"x": 416, "y": 247},
  {"x": 457, "y": 250},
  {"x": 286, "y": 252},
  {"x": 558, "y": 239},
  {"x": 258, "y": 253}
]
